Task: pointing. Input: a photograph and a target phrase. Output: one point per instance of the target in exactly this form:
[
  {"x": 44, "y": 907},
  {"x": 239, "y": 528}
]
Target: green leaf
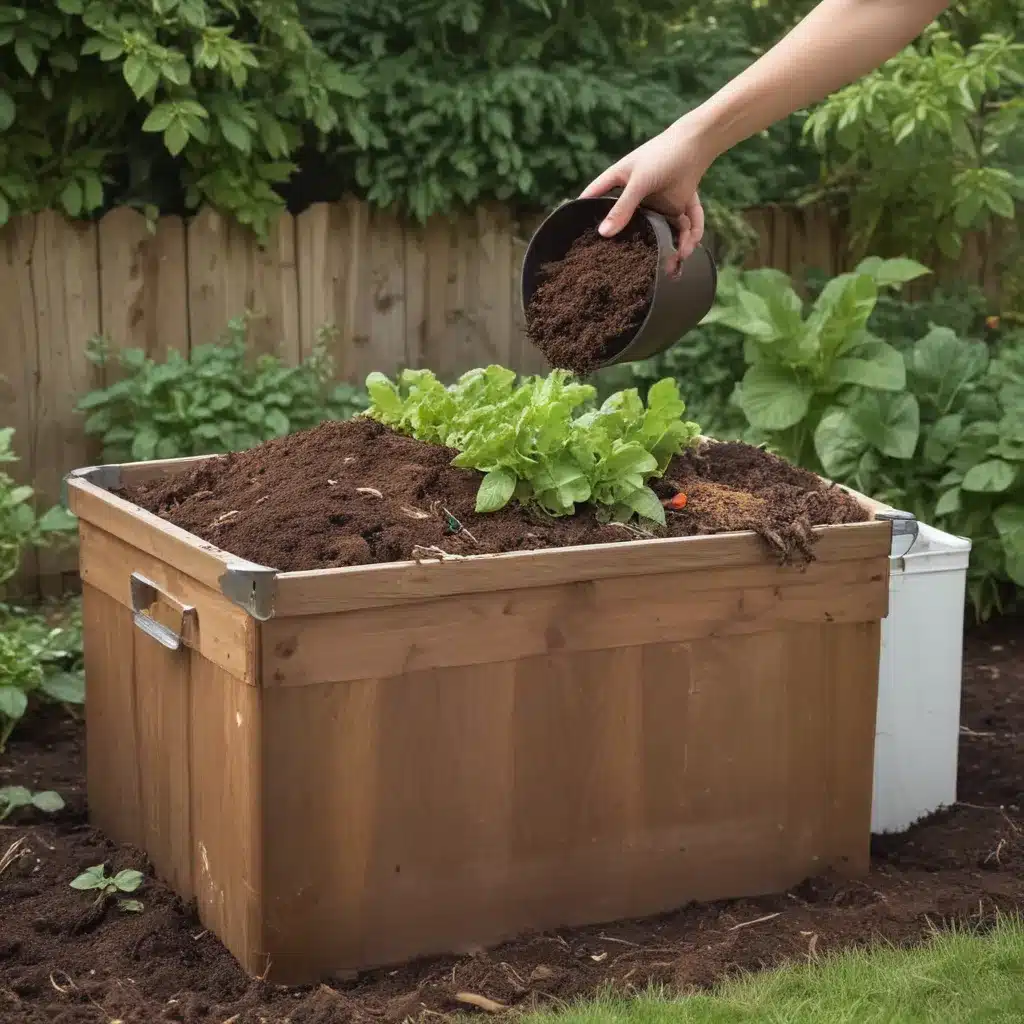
[
  {"x": 496, "y": 490},
  {"x": 130, "y": 906},
  {"x": 942, "y": 437},
  {"x": 64, "y": 687},
  {"x": 887, "y": 273},
  {"x": 13, "y": 797},
  {"x": 841, "y": 313},
  {"x": 872, "y": 365},
  {"x": 13, "y": 702},
  {"x": 774, "y": 397},
  {"x": 236, "y": 134},
  {"x": 644, "y": 502},
  {"x": 890, "y": 422},
  {"x": 27, "y": 56},
  {"x": 92, "y": 878},
  {"x": 945, "y": 362},
  {"x": 948, "y": 503},
  {"x": 144, "y": 445},
  {"x": 991, "y": 477},
  {"x": 1009, "y": 524},
  {"x": 57, "y": 520},
  {"x": 277, "y": 422},
  {"x": 128, "y": 880},
  {"x": 176, "y": 137},
  {"x": 8, "y": 111},
  {"x": 839, "y": 444},
  {"x": 71, "y": 199},
  {"x": 159, "y": 118},
  {"x": 48, "y": 801}
]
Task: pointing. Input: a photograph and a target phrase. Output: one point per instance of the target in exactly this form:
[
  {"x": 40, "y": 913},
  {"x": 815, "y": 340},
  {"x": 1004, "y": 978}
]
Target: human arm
[{"x": 838, "y": 42}]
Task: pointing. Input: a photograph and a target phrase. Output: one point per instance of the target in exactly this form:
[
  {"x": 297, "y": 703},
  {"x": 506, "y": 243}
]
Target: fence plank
[
  {"x": 143, "y": 283},
  {"x": 66, "y": 281},
  {"x": 273, "y": 294},
  {"x": 384, "y": 347},
  {"x": 19, "y": 367}
]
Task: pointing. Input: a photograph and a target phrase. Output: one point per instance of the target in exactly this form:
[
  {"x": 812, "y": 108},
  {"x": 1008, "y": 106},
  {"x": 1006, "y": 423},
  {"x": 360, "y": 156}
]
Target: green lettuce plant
[{"x": 541, "y": 441}]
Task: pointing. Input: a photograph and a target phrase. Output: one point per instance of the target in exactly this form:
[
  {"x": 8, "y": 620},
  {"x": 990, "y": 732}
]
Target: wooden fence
[{"x": 444, "y": 295}]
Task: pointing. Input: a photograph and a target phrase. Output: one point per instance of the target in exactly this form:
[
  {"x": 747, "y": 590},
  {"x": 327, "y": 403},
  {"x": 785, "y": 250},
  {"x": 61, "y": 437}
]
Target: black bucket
[{"x": 677, "y": 303}]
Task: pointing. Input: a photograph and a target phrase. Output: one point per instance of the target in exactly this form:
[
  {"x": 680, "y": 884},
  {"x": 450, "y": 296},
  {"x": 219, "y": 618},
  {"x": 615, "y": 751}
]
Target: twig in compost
[
  {"x": 415, "y": 513},
  {"x": 480, "y": 1002},
  {"x": 370, "y": 490},
  {"x": 13, "y": 852},
  {"x": 965, "y": 731},
  {"x": 757, "y": 920},
  {"x": 432, "y": 554},
  {"x": 225, "y": 516}
]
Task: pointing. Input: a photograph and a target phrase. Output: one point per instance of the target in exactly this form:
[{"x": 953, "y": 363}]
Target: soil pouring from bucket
[
  {"x": 592, "y": 298},
  {"x": 357, "y": 493}
]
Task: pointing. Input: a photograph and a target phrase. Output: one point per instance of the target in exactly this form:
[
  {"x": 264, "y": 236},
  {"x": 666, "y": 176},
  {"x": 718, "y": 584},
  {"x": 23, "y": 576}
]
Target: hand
[{"x": 663, "y": 174}]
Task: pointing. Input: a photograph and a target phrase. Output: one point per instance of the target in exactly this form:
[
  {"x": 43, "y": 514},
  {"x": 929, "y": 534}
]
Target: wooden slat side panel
[
  {"x": 562, "y": 789},
  {"x": 336, "y": 590},
  {"x": 163, "y": 690},
  {"x": 221, "y": 632},
  {"x": 65, "y": 282},
  {"x": 225, "y": 806},
  {"x": 590, "y": 615},
  {"x": 147, "y": 532},
  {"x": 112, "y": 742},
  {"x": 851, "y": 670}
]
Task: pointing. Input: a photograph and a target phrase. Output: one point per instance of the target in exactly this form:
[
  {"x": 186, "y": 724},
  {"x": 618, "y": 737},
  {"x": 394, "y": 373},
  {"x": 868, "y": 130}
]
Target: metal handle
[{"x": 144, "y": 595}]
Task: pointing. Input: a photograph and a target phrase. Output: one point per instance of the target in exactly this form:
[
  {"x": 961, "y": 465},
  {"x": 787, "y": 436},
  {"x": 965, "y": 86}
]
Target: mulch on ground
[
  {"x": 356, "y": 493},
  {"x": 61, "y": 961}
]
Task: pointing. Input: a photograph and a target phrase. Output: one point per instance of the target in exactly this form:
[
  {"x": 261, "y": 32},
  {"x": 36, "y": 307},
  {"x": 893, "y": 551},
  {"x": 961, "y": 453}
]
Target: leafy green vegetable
[
  {"x": 13, "y": 798},
  {"x": 542, "y": 440}
]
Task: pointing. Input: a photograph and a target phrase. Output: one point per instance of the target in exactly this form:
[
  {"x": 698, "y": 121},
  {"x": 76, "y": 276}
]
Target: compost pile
[
  {"x": 590, "y": 303},
  {"x": 356, "y": 492}
]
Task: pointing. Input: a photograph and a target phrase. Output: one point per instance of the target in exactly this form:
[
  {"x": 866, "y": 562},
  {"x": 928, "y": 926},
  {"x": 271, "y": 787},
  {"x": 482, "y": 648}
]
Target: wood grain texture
[
  {"x": 584, "y": 616},
  {"x": 173, "y": 768},
  {"x": 143, "y": 283},
  {"x": 329, "y": 590},
  {"x": 222, "y": 632},
  {"x": 147, "y": 532},
  {"x": 472, "y": 804}
]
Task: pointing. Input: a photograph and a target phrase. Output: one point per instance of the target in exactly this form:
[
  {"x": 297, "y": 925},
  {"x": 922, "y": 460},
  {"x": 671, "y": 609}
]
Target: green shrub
[
  {"x": 40, "y": 660},
  {"x": 153, "y": 102},
  {"x": 933, "y": 424},
  {"x": 930, "y": 146},
  {"x": 20, "y": 526},
  {"x": 214, "y": 400}
]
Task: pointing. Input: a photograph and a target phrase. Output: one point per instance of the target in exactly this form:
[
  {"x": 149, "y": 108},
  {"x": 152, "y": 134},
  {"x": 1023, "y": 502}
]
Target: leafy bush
[
  {"x": 929, "y": 146},
  {"x": 149, "y": 101},
  {"x": 932, "y": 423},
  {"x": 534, "y": 443},
  {"x": 20, "y": 526},
  {"x": 40, "y": 660},
  {"x": 214, "y": 400},
  {"x": 526, "y": 101},
  {"x": 807, "y": 367}
]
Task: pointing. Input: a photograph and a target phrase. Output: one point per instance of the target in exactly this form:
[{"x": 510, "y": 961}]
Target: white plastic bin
[{"x": 918, "y": 728}]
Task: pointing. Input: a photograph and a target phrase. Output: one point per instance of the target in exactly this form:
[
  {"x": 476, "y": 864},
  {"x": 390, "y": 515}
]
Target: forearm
[{"x": 837, "y": 43}]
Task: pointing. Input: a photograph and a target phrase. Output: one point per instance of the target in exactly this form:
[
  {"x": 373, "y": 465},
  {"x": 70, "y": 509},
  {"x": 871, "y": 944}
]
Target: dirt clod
[
  {"x": 590, "y": 303},
  {"x": 355, "y": 493}
]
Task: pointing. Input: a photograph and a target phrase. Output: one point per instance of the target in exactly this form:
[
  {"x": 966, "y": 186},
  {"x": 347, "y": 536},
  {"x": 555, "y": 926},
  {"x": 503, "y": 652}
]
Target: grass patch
[{"x": 957, "y": 978}]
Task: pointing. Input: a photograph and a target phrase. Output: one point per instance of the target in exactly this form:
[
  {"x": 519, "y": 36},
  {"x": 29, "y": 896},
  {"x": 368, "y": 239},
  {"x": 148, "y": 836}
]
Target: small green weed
[
  {"x": 214, "y": 400},
  {"x": 96, "y": 879},
  {"x": 13, "y": 798}
]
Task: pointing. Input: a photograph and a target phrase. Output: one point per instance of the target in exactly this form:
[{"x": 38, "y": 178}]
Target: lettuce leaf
[{"x": 540, "y": 440}]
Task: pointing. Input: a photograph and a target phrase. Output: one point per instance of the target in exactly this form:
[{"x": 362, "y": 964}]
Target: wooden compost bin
[{"x": 353, "y": 767}]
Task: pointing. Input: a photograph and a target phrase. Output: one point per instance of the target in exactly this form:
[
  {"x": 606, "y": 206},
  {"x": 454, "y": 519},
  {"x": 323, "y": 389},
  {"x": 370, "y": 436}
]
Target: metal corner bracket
[
  {"x": 905, "y": 530},
  {"x": 250, "y": 586},
  {"x": 108, "y": 478}
]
